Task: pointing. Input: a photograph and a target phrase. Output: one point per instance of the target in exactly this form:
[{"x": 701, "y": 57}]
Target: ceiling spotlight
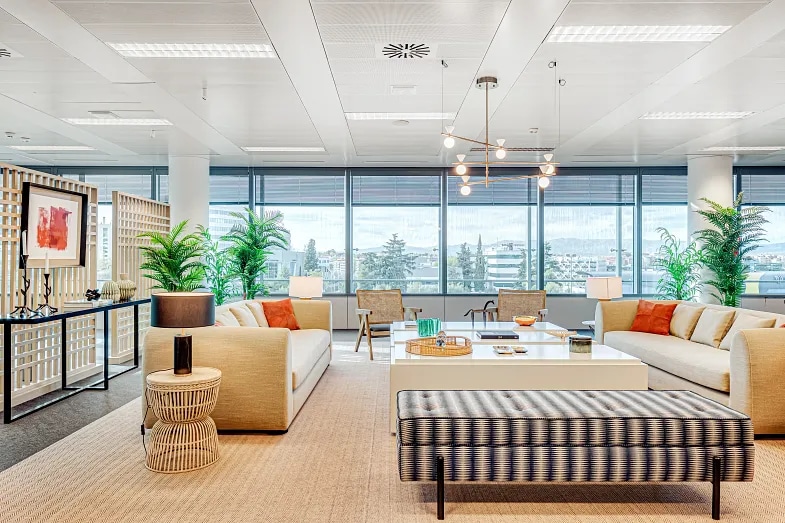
[
  {"x": 543, "y": 182},
  {"x": 10, "y": 134},
  {"x": 466, "y": 190},
  {"x": 401, "y": 123},
  {"x": 449, "y": 142},
  {"x": 461, "y": 169},
  {"x": 25, "y": 139},
  {"x": 534, "y": 130}
]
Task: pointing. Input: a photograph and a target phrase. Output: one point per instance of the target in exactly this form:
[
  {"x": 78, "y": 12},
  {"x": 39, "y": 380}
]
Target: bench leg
[
  {"x": 440, "y": 487},
  {"x": 716, "y": 476}
]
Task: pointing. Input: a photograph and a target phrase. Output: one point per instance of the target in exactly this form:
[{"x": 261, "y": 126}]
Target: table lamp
[
  {"x": 604, "y": 288},
  {"x": 182, "y": 310},
  {"x": 305, "y": 287}
]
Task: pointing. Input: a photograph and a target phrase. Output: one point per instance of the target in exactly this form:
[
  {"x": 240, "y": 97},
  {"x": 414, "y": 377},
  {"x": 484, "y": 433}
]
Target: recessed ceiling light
[
  {"x": 57, "y": 148},
  {"x": 152, "y": 50},
  {"x": 697, "y": 115},
  {"x": 732, "y": 149},
  {"x": 284, "y": 149},
  {"x": 636, "y": 33},
  {"x": 399, "y": 116},
  {"x": 118, "y": 121}
]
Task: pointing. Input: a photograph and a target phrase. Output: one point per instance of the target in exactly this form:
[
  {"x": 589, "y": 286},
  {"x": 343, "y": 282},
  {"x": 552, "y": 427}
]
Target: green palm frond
[
  {"x": 681, "y": 278},
  {"x": 173, "y": 260}
]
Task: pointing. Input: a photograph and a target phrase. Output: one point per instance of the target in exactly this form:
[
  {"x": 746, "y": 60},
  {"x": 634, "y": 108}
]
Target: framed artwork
[{"x": 55, "y": 223}]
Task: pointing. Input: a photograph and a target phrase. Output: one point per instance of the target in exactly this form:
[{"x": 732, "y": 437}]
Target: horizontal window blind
[
  {"x": 136, "y": 184},
  {"x": 229, "y": 189},
  {"x": 298, "y": 189},
  {"x": 762, "y": 185},
  {"x": 398, "y": 190},
  {"x": 663, "y": 185},
  {"x": 591, "y": 187},
  {"x": 511, "y": 192}
]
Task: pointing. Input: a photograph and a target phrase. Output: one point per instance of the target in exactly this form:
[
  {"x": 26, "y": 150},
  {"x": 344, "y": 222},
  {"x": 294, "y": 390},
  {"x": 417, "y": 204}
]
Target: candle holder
[
  {"x": 45, "y": 309},
  {"x": 23, "y": 311}
]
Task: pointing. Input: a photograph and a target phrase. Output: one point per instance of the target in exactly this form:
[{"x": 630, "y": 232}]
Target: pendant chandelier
[{"x": 547, "y": 167}]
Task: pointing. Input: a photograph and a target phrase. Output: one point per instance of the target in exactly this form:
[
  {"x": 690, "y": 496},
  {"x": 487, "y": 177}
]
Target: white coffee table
[
  {"x": 536, "y": 334},
  {"x": 548, "y": 365}
]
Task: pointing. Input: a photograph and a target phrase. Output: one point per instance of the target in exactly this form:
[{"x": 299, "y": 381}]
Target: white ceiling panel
[{"x": 160, "y": 13}]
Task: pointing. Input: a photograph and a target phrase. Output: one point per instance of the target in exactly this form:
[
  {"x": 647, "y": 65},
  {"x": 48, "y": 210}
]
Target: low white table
[
  {"x": 548, "y": 365},
  {"x": 536, "y": 334}
]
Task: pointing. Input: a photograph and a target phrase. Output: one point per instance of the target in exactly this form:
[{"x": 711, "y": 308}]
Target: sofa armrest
[
  {"x": 256, "y": 363},
  {"x": 314, "y": 314},
  {"x": 613, "y": 316},
  {"x": 757, "y": 366}
]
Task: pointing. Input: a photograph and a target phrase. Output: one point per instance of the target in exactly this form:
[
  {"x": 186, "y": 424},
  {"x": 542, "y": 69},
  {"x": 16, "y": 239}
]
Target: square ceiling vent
[
  {"x": 405, "y": 51},
  {"x": 7, "y": 52}
]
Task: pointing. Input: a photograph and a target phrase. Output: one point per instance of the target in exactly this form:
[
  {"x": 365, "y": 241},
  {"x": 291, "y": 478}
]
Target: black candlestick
[
  {"x": 45, "y": 309},
  {"x": 23, "y": 311}
]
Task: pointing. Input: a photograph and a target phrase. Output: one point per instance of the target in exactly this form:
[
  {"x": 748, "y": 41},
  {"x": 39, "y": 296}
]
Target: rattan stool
[{"x": 184, "y": 438}]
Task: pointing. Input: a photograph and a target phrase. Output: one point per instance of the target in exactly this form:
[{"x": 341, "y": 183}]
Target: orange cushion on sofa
[
  {"x": 654, "y": 318},
  {"x": 280, "y": 314}
]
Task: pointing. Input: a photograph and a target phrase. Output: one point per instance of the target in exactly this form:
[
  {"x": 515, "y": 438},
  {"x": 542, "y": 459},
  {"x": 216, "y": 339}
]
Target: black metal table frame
[{"x": 63, "y": 317}]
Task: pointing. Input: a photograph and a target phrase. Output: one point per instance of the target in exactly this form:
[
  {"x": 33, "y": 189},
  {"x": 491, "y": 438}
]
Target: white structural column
[
  {"x": 707, "y": 177},
  {"x": 189, "y": 190}
]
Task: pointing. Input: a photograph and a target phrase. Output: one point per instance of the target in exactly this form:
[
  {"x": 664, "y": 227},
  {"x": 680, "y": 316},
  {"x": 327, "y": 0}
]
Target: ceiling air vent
[
  {"x": 518, "y": 149},
  {"x": 7, "y": 52},
  {"x": 405, "y": 50}
]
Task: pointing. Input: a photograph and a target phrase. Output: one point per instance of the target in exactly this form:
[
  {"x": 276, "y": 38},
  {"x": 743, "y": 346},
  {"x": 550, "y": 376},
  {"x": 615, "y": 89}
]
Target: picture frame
[{"x": 55, "y": 221}]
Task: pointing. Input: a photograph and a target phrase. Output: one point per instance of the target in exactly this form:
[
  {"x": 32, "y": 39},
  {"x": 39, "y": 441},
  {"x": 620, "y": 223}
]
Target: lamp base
[{"x": 183, "y": 354}]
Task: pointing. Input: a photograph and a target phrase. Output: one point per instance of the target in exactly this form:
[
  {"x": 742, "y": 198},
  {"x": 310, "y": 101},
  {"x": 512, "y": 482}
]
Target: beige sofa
[
  {"x": 747, "y": 378},
  {"x": 268, "y": 373}
]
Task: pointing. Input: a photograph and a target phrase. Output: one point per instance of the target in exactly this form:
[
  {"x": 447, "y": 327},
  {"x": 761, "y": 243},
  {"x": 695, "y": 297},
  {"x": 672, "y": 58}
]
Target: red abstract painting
[{"x": 52, "y": 230}]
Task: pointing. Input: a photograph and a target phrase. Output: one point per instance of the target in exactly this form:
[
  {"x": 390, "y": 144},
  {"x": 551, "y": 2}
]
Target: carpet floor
[{"x": 336, "y": 464}]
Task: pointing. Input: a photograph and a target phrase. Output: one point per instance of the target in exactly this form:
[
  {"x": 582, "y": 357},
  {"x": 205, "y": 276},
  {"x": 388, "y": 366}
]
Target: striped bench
[{"x": 584, "y": 436}]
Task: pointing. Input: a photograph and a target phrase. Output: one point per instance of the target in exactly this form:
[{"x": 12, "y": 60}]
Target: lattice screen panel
[
  {"x": 132, "y": 215},
  {"x": 36, "y": 350}
]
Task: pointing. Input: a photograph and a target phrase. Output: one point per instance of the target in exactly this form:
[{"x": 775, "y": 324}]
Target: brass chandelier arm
[
  {"x": 506, "y": 179},
  {"x": 478, "y": 142},
  {"x": 506, "y": 163}
]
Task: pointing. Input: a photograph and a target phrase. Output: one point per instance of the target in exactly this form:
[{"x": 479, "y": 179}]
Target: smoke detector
[{"x": 403, "y": 51}]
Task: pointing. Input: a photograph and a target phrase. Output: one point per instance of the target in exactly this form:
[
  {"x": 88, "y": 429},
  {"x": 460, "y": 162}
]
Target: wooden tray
[{"x": 456, "y": 346}]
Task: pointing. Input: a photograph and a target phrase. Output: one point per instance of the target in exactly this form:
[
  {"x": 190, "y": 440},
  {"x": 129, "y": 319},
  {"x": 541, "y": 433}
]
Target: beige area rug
[{"x": 336, "y": 464}]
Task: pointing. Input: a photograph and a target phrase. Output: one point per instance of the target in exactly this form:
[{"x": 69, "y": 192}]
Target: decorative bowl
[{"x": 524, "y": 321}]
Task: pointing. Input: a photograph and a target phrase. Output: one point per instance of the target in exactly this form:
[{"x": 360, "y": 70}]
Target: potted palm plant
[
  {"x": 252, "y": 239},
  {"x": 173, "y": 259},
  {"x": 734, "y": 233},
  {"x": 218, "y": 269},
  {"x": 680, "y": 266}
]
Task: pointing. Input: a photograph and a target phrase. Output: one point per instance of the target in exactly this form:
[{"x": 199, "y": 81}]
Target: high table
[{"x": 8, "y": 323}]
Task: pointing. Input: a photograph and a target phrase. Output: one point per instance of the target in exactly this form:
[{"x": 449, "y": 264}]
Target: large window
[
  {"x": 766, "y": 186},
  {"x": 313, "y": 211},
  {"x": 395, "y": 230},
  {"x": 492, "y": 236},
  {"x": 588, "y": 228}
]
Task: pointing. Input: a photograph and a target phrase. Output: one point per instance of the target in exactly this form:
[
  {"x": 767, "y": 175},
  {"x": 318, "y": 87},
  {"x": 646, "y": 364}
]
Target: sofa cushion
[
  {"x": 712, "y": 326},
  {"x": 684, "y": 320},
  {"x": 258, "y": 312},
  {"x": 227, "y": 319},
  {"x": 745, "y": 321},
  {"x": 692, "y": 361},
  {"x": 280, "y": 314},
  {"x": 654, "y": 318},
  {"x": 308, "y": 345},
  {"x": 244, "y": 316}
]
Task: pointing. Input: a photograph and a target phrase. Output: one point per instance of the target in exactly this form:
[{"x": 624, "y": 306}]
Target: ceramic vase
[
  {"x": 110, "y": 291},
  {"x": 127, "y": 288}
]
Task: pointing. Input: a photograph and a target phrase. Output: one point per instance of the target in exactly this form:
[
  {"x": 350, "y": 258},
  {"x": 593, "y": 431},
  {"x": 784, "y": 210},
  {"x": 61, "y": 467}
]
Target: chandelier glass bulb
[
  {"x": 550, "y": 169},
  {"x": 449, "y": 142},
  {"x": 461, "y": 169},
  {"x": 466, "y": 190},
  {"x": 501, "y": 154},
  {"x": 543, "y": 182}
]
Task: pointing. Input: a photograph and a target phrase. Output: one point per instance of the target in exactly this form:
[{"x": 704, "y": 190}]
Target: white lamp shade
[
  {"x": 305, "y": 286},
  {"x": 604, "y": 288}
]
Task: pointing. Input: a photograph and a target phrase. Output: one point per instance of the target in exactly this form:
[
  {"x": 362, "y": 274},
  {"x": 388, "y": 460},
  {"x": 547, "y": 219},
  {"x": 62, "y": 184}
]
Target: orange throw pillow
[
  {"x": 654, "y": 318},
  {"x": 280, "y": 314}
]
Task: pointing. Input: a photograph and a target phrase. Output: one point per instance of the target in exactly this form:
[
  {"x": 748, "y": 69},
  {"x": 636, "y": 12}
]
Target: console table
[{"x": 8, "y": 323}]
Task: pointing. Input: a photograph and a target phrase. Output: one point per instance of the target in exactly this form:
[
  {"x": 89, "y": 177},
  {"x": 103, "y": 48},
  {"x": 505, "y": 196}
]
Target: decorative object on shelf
[
  {"x": 428, "y": 346},
  {"x": 485, "y": 311},
  {"x": 92, "y": 294},
  {"x": 525, "y": 321},
  {"x": 604, "y": 288},
  {"x": 441, "y": 339},
  {"x": 580, "y": 344},
  {"x": 182, "y": 310},
  {"x": 172, "y": 260},
  {"x": 428, "y": 327},
  {"x": 733, "y": 234},
  {"x": 305, "y": 287},
  {"x": 22, "y": 310},
  {"x": 45, "y": 309},
  {"x": 57, "y": 220},
  {"x": 562, "y": 334},
  {"x": 110, "y": 290},
  {"x": 547, "y": 168},
  {"x": 680, "y": 268},
  {"x": 126, "y": 288}
]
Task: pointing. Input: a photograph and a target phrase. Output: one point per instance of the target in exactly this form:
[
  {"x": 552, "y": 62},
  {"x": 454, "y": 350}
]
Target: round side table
[{"x": 184, "y": 438}]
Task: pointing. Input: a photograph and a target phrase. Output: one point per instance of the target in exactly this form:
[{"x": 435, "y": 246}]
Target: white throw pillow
[
  {"x": 227, "y": 319},
  {"x": 244, "y": 316},
  {"x": 684, "y": 320},
  {"x": 258, "y": 312},
  {"x": 712, "y": 326},
  {"x": 745, "y": 321}
]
